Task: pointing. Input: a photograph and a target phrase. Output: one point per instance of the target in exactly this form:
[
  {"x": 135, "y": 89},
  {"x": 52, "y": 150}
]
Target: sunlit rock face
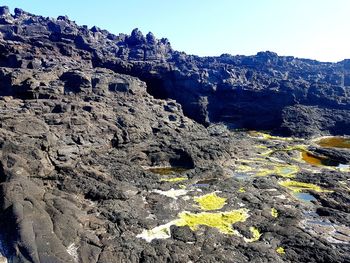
[{"x": 100, "y": 162}]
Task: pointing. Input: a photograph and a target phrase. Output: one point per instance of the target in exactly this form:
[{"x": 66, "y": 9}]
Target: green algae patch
[
  {"x": 174, "y": 180},
  {"x": 221, "y": 221},
  {"x": 274, "y": 212},
  {"x": 298, "y": 187},
  {"x": 334, "y": 142},
  {"x": 210, "y": 202},
  {"x": 255, "y": 235},
  {"x": 280, "y": 250}
]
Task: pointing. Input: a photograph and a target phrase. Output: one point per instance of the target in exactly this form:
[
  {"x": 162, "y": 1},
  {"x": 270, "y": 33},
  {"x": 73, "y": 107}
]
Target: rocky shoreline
[{"x": 120, "y": 149}]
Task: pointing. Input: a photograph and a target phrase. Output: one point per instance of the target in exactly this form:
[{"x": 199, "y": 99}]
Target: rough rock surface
[
  {"x": 93, "y": 168},
  {"x": 288, "y": 95}
]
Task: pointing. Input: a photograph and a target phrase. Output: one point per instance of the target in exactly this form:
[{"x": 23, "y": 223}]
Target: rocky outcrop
[
  {"x": 253, "y": 92},
  {"x": 55, "y": 169}
]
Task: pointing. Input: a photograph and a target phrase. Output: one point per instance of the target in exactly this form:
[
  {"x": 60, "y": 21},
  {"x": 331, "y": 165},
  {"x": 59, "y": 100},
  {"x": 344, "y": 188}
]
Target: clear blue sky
[{"x": 317, "y": 29}]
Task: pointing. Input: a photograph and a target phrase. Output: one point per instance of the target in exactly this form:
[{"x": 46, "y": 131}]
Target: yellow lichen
[
  {"x": 241, "y": 190},
  {"x": 174, "y": 180},
  {"x": 274, "y": 212},
  {"x": 221, "y": 221},
  {"x": 298, "y": 187},
  {"x": 280, "y": 250},
  {"x": 255, "y": 235},
  {"x": 210, "y": 202}
]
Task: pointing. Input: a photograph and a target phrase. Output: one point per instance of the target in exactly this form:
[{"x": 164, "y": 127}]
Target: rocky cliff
[
  {"x": 121, "y": 149},
  {"x": 256, "y": 92}
]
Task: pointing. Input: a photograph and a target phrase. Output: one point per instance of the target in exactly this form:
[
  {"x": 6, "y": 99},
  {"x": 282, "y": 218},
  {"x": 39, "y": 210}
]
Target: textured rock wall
[{"x": 254, "y": 92}]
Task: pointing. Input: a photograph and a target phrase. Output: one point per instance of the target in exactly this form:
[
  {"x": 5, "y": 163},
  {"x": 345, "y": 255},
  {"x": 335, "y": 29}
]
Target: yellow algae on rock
[
  {"x": 244, "y": 168},
  {"x": 298, "y": 187},
  {"x": 266, "y": 136},
  {"x": 280, "y": 250},
  {"x": 241, "y": 190},
  {"x": 221, "y": 221},
  {"x": 260, "y": 146},
  {"x": 210, "y": 202},
  {"x": 255, "y": 235},
  {"x": 174, "y": 180},
  {"x": 274, "y": 212}
]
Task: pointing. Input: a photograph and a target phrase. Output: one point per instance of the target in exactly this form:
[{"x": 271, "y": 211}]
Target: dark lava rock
[
  {"x": 288, "y": 95},
  {"x": 184, "y": 234},
  {"x": 85, "y": 114}
]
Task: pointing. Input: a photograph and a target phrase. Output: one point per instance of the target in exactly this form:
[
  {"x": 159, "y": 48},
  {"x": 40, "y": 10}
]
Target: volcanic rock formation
[{"x": 121, "y": 149}]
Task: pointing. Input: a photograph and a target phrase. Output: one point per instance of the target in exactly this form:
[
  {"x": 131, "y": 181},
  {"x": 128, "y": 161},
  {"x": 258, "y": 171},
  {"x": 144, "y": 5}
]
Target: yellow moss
[
  {"x": 266, "y": 136},
  {"x": 280, "y": 250},
  {"x": 274, "y": 212},
  {"x": 264, "y": 172},
  {"x": 244, "y": 168},
  {"x": 260, "y": 146},
  {"x": 174, "y": 180},
  {"x": 298, "y": 187},
  {"x": 221, "y": 221},
  {"x": 241, "y": 190},
  {"x": 267, "y": 153},
  {"x": 255, "y": 235},
  {"x": 210, "y": 202}
]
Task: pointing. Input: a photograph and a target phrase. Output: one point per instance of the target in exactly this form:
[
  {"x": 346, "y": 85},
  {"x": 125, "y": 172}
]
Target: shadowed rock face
[{"x": 98, "y": 155}]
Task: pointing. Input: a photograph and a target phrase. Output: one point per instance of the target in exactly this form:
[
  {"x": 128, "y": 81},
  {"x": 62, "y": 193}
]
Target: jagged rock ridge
[{"x": 255, "y": 92}]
